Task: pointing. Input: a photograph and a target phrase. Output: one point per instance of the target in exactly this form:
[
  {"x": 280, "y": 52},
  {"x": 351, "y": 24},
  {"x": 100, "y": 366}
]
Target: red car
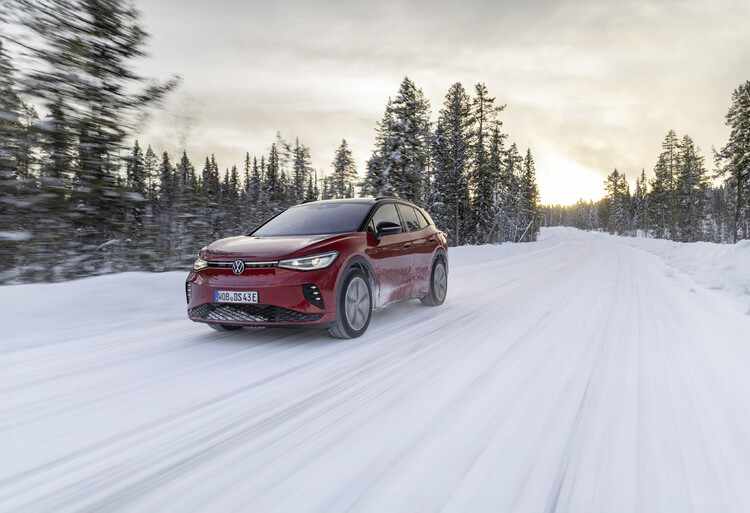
[{"x": 323, "y": 264}]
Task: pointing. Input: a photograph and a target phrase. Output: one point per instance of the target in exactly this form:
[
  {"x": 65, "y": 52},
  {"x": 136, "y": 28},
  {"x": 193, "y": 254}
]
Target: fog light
[{"x": 312, "y": 294}]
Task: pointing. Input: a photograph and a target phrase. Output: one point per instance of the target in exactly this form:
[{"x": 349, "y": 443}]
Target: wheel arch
[
  {"x": 442, "y": 254},
  {"x": 359, "y": 262}
]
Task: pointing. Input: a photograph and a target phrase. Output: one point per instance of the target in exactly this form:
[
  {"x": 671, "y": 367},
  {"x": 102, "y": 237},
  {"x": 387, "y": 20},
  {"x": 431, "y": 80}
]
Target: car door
[
  {"x": 421, "y": 250},
  {"x": 391, "y": 256}
]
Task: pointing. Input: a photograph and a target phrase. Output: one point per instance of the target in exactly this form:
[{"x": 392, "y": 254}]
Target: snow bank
[
  {"x": 89, "y": 306},
  {"x": 470, "y": 255},
  {"x": 723, "y": 267}
]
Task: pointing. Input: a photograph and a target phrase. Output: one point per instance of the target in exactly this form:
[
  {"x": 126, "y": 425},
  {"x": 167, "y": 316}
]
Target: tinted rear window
[
  {"x": 409, "y": 217},
  {"x": 315, "y": 219}
]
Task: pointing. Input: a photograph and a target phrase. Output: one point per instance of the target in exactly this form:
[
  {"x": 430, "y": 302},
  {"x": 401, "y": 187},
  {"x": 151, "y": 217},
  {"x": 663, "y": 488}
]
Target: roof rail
[{"x": 392, "y": 196}]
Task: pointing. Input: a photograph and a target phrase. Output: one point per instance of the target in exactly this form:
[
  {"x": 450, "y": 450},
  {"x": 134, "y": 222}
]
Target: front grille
[
  {"x": 312, "y": 294},
  {"x": 250, "y": 313},
  {"x": 248, "y": 265}
]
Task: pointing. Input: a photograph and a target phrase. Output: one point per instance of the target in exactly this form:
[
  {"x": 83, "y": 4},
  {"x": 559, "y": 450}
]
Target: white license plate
[{"x": 236, "y": 296}]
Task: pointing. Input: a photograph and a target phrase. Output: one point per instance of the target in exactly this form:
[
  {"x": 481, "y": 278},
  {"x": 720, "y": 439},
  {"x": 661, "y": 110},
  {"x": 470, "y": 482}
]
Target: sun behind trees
[{"x": 679, "y": 202}]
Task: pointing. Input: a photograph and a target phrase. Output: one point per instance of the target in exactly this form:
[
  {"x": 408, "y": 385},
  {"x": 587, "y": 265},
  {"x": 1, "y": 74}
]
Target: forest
[
  {"x": 78, "y": 199},
  {"x": 80, "y": 196}
]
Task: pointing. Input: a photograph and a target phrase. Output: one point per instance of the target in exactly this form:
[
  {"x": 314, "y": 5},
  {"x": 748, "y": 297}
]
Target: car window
[
  {"x": 385, "y": 212},
  {"x": 409, "y": 216},
  {"x": 426, "y": 216},
  {"x": 423, "y": 223},
  {"x": 315, "y": 219}
]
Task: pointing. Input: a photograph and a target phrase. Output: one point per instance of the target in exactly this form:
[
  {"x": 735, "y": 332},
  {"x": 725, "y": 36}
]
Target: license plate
[{"x": 236, "y": 296}]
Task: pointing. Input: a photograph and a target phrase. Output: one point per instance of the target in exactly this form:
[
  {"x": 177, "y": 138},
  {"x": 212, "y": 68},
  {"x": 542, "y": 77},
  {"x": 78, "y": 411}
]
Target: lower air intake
[{"x": 250, "y": 313}]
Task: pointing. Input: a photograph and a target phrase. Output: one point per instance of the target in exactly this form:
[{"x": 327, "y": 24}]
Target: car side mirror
[{"x": 387, "y": 228}]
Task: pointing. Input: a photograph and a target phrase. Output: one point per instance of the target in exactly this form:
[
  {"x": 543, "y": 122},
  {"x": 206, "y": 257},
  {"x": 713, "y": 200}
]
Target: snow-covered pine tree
[
  {"x": 136, "y": 183},
  {"x": 377, "y": 179},
  {"x": 497, "y": 155},
  {"x": 484, "y": 178},
  {"x": 246, "y": 182},
  {"x": 312, "y": 189},
  {"x": 401, "y": 150},
  {"x": 83, "y": 52},
  {"x": 640, "y": 204},
  {"x": 165, "y": 211},
  {"x": 509, "y": 219},
  {"x": 691, "y": 183},
  {"x": 150, "y": 162},
  {"x": 451, "y": 159},
  {"x": 344, "y": 173},
  {"x": 662, "y": 196},
  {"x": 301, "y": 172},
  {"x": 274, "y": 182},
  {"x": 210, "y": 191},
  {"x": 188, "y": 207},
  {"x": 733, "y": 161},
  {"x": 615, "y": 215},
  {"x": 528, "y": 204}
]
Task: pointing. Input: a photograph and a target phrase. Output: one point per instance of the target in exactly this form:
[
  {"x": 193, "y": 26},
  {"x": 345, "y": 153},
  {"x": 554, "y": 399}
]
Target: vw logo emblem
[{"x": 238, "y": 266}]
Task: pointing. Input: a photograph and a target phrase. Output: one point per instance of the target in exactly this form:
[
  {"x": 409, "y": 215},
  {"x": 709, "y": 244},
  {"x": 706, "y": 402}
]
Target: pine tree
[
  {"x": 509, "y": 210},
  {"x": 256, "y": 200},
  {"x": 528, "y": 207},
  {"x": 398, "y": 163},
  {"x": 451, "y": 153},
  {"x": 484, "y": 178},
  {"x": 150, "y": 163},
  {"x": 617, "y": 198},
  {"x": 136, "y": 183},
  {"x": 496, "y": 157},
  {"x": 640, "y": 204},
  {"x": 734, "y": 162},
  {"x": 274, "y": 181},
  {"x": 691, "y": 183},
  {"x": 662, "y": 197},
  {"x": 302, "y": 169},
  {"x": 165, "y": 211},
  {"x": 344, "y": 173}
]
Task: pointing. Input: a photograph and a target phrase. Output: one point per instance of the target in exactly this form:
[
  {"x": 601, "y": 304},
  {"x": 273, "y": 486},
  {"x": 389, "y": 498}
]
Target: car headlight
[
  {"x": 311, "y": 262},
  {"x": 200, "y": 264}
]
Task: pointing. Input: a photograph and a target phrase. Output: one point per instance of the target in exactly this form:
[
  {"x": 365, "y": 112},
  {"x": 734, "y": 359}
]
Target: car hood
[{"x": 267, "y": 248}]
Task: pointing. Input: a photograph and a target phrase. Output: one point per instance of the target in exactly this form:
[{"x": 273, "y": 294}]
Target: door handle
[{"x": 407, "y": 245}]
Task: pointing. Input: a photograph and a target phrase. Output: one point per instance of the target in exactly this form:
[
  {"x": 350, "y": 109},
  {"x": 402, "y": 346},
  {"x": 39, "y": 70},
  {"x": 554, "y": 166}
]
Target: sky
[{"x": 590, "y": 86}]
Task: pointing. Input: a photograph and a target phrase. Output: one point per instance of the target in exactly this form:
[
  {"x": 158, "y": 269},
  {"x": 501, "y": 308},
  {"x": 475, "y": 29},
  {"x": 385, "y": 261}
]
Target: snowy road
[{"x": 577, "y": 375}]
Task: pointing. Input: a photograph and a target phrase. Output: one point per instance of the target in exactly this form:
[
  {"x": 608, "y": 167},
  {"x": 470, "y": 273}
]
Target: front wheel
[
  {"x": 438, "y": 284},
  {"x": 353, "y": 306}
]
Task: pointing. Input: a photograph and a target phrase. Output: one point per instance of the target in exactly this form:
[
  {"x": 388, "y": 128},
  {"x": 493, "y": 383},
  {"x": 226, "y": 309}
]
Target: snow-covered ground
[{"x": 577, "y": 373}]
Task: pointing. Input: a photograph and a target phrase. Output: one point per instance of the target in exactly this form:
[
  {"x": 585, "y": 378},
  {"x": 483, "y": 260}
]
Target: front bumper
[{"x": 284, "y": 297}]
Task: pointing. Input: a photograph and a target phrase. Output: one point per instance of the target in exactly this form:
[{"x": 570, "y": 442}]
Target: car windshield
[{"x": 315, "y": 219}]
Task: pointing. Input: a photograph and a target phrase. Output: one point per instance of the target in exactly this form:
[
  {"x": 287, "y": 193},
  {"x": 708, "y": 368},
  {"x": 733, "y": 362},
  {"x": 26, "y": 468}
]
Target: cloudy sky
[{"x": 589, "y": 85}]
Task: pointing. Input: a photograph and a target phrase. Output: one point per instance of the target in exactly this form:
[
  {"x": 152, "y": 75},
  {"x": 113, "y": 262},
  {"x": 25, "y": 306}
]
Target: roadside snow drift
[{"x": 574, "y": 374}]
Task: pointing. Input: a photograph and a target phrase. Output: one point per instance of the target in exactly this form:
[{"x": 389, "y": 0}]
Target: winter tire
[
  {"x": 353, "y": 306},
  {"x": 438, "y": 284}
]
